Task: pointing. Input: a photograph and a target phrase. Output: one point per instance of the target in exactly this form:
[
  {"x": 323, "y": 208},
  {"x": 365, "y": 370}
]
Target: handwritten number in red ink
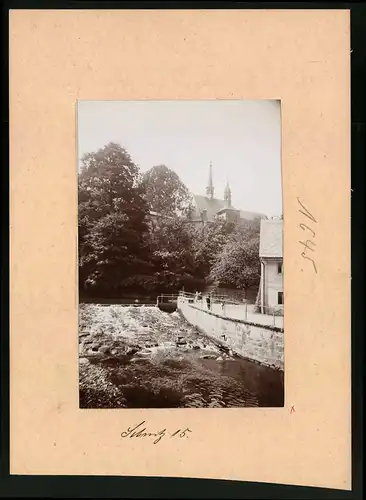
[{"x": 292, "y": 409}]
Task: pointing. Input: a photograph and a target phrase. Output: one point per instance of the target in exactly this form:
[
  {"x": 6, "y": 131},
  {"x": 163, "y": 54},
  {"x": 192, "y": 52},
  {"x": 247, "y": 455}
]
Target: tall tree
[
  {"x": 109, "y": 181},
  {"x": 165, "y": 192},
  {"x": 112, "y": 218}
]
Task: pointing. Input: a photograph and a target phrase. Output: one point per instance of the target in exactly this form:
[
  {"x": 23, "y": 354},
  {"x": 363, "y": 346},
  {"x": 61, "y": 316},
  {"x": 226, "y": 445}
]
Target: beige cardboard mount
[{"x": 299, "y": 57}]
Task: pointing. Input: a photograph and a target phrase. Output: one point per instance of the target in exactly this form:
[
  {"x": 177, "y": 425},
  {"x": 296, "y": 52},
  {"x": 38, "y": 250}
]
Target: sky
[{"x": 242, "y": 139}]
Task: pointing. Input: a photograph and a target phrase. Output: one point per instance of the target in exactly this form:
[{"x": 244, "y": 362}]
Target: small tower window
[
  {"x": 279, "y": 268},
  {"x": 280, "y": 298}
]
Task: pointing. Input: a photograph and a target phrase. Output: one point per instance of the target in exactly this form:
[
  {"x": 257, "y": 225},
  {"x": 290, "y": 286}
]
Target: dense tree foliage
[
  {"x": 208, "y": 245},
  {"x": 165, "y": 192},
  {"x": 238, "y": 264},
  {"x": 172, "y": 253},
  {"x": 134, "y": 236},
  {"x": 112, "y": 220}
]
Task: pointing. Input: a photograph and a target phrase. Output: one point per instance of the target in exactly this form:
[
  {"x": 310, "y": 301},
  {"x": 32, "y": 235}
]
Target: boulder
[
  {"x": 131, "y": 351},
  {"x": 91, "y": 352},
  {"x": 143, "y": 354},
  {"x": 104, "y": 349}
]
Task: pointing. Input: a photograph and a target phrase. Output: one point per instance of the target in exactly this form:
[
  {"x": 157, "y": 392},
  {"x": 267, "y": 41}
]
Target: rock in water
[
  {"x": 131, "y": 351},
  {"x": 143, "y": 354},
  {"x": 93, "y": 353},
  {"x": 104, "y": 349}
]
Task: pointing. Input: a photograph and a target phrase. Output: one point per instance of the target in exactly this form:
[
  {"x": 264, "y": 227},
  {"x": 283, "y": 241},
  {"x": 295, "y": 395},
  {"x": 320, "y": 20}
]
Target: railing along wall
[
  {"x": 207, "y": 302},
  {"x": 166, "y": 298}
]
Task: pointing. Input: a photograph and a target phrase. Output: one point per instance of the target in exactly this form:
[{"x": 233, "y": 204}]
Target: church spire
[
  {"x": 227, "y": 194},
  {"x": 210, "y": 188}
]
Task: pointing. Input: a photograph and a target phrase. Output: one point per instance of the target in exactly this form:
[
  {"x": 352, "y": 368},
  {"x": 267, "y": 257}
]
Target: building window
[
  {"x": 280, "y": 298},
  {"x": 279, "y": 268}
]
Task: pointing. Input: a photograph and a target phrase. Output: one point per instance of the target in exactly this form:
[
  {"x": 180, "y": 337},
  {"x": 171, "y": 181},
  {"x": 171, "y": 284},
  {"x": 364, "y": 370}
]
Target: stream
[{"x": 141, "y": 357}]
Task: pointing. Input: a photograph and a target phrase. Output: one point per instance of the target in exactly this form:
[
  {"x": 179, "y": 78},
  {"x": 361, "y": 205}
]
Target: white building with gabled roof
[{"x": 271, "y": 298}]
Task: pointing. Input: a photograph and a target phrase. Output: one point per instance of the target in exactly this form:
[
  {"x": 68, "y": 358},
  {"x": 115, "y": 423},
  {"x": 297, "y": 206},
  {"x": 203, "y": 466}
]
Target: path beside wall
[{"x": 259, "y": 343}]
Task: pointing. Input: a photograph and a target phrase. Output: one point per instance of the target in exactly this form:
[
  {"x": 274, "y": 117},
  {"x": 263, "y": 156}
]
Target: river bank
[{"x": 141, "y": 357}]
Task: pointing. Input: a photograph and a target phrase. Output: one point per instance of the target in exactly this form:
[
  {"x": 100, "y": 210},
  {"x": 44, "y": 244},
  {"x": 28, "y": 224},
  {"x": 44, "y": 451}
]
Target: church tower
[
  {"x": 228, "y": 212},
  {"x": 227, "y": 195},
  {"x": 210, "y": 188}
]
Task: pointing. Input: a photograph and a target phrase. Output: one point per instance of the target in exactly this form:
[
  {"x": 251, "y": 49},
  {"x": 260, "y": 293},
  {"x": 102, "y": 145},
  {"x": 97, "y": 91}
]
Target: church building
[{"x": 208, "y": 208}]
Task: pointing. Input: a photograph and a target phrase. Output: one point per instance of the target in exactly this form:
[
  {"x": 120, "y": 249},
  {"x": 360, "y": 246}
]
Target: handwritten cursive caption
[
  {"x": 140, "y": 431},
  {"x": 309, "y": 244}
]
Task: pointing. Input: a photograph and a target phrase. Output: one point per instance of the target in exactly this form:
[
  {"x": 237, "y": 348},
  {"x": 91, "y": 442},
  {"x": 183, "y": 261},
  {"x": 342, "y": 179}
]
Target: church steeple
[
  {"x": 227, "y": 194},
  {"x": 210, "y": 188}
]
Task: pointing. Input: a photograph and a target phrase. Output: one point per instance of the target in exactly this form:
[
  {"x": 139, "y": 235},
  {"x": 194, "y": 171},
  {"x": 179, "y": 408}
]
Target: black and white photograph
[{"x": 180, "y": 254}]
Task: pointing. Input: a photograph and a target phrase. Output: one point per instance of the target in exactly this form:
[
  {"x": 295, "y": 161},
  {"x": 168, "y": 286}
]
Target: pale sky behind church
[{"x": 241, "y": 138}]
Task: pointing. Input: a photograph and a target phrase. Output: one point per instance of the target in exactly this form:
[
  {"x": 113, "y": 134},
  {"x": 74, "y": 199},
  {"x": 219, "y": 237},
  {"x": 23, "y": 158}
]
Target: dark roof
[
  {"x": 271, "y": 238},
  {"x": 214, "y": 205},
  {"x": 211, "y": 205}
]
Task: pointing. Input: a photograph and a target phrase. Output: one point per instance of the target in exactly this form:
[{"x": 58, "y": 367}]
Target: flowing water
[{"x": 141, "y": 357}]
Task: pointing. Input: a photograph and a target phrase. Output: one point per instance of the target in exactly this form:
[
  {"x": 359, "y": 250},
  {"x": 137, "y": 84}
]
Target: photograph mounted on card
[
  {"x": 180, "y": 276},
  {"x": 180, "y": 254}
]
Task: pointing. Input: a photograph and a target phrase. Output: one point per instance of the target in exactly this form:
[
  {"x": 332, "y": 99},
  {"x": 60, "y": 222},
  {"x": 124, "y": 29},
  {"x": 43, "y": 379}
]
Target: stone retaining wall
[{"x": 259, "y": 343}]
